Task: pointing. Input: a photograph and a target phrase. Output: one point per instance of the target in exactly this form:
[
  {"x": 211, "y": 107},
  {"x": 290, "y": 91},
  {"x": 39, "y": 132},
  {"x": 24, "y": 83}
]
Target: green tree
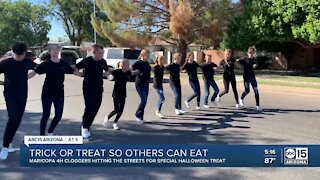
[
  {"x": 273, "y": 25},
  {"x": 135, "y": 23},
  {"x": 23, "y": 21},
  {"x": 75, "y": 15}
]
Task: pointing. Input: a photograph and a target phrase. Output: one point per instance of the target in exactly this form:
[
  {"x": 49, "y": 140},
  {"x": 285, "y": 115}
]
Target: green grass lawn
[
  {"x": 289, "y": 84},
  {"x": 303, "y": 81},
  {"x": 289, "y": 81},
  {"x": 298, "y": 79}
]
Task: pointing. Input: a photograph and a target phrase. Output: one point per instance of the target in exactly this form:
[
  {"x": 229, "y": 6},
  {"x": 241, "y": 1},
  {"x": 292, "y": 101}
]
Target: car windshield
[
  {"x": 120, "y": 54},
  {"x": 114, "y": 54},
  {"x": 131, "y": 54},
  {"x": 73, "y": 49},
  {"x": 69, "y": 54},
  {"x": 44, "y": 55},
  {"x": 29, "y": 54}
]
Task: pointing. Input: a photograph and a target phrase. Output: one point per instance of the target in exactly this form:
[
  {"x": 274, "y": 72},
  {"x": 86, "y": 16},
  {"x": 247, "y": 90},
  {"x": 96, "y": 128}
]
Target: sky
[{"x": 56, "y": 25}]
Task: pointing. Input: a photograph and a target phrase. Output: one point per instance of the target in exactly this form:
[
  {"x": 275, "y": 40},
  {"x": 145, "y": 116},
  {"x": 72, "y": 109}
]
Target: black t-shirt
[
  {"x": 192, "y": 69},
  {"x": 120, "y": 83},
  {"x": 158, "y": 76},
  {"x": 228, "y": 69},
  {"x": 93, "y": 72},
  {"x": 53, "y": 84},
  {"x": 248, "y": 70},
  {"x": 143, "y": 78},
  {"x": 16, "y": 75},
  {"x": 174, "y": 71},
  {"x": 208, "y": 71}
]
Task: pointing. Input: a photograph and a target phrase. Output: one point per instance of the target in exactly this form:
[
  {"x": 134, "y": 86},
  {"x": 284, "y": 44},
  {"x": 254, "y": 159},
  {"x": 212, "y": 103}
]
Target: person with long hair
[
  {"x": 229, "y": 76},
  {"x": 191, "y": 67},
  {"x": 158, "y": 71},
  {"x": 142, "y": 69},
  {"x": 249, "y": 63},
  {"x": 121, "y": 76},
  {"x": 175, "y": 83},
  {"x": 53, "y": 87}
]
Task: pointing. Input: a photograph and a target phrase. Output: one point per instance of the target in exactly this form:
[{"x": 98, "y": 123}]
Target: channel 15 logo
[{"x": 296, "y": 156}]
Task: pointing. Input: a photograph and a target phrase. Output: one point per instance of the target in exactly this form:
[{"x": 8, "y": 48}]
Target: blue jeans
[
  {"x": 177, "y": 93},
  {"x": 207, "y": 85},
  {"x": 143, "y": 92},
  {"x": 196, "y": 89},
  {"x": 58, "y": 103},
  {"x": 161, "y": 98}
]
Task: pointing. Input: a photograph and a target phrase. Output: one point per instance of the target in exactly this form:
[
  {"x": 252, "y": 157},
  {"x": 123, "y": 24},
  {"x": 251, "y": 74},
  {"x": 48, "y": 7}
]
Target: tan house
[
  {"x": 302, "y": 58},
  {"x": 167, "y": 49}
]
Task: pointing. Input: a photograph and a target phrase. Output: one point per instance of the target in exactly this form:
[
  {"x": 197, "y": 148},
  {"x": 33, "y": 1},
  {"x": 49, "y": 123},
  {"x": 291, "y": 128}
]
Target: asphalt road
[{"x": 288, "y": 118}]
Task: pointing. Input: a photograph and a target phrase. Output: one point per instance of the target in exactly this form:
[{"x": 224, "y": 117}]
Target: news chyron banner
[{"x": 69, "y": 151}]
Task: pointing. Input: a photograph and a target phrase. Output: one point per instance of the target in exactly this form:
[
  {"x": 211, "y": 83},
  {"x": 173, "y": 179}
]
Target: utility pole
[{"x": 94, "y": 11}]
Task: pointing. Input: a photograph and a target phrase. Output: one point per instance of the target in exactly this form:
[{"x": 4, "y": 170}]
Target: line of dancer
[{"x": 17, "y": 70}]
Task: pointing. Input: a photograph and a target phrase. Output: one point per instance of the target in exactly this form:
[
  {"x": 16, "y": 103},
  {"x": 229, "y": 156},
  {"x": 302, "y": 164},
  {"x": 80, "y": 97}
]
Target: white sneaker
[
  {"x": 218, "y": 98},
  {"x": 85, "y": 133},
  {"x": 105, "y": 122},
  {"x": 11, "y": 149},
  {"x": 177, "y": 112},
  {"x": 139, "y": 121},
  {"x": 259, "y": 108},
  {"x": 198, "y": 108},
  {"x": 206, "y": 106},
  {"x": 214, "y": 103},
  {"x": 241, "y": 102},
  {"x": 4, "y": 153},
  {"x": 237, "y": 106},
  {"x": 182, "y": 111},
  {"x": 115, "y": 126},
  {"x": 187, "y": 104},
  {"x": 159, "y": 115},
  {"x": 50, "y": 134}
]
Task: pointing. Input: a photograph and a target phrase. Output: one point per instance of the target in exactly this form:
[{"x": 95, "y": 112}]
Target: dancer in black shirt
[
  {"x": 143, "y": 68},
  {"x": 249, "y": 63},
  {"x": 158, "y": 83},
  {"x": 94, "y": 68},
  {"x": 208, "y": 76},
  {"x": 175, "y": 84},
  {"x": 15, "y": 92},
  {"x": 53, "y": 87},
  {"x": 119, "y": 94},
  {"x": 229, "y": 76},
  {"x": 192, "y": 69}
]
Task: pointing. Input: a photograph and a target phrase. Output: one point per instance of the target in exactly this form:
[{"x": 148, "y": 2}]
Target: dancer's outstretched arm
[
  {"x": 255, "y": 65},
  {"x": 78, "y": 73},
  {"x": 134, "y": 72},
  {"x": 108, "y": 71},
  {"x": 31, "y": 74}
]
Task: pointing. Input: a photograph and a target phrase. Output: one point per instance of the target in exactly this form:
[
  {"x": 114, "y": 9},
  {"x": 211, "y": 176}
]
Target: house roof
[{"x": 161, "y": 42}]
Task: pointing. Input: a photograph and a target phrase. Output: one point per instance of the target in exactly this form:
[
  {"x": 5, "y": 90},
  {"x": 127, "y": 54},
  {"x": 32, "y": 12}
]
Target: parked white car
[
  {"x": 70, "y": 54},
  {"x": 114, "y": 55}
]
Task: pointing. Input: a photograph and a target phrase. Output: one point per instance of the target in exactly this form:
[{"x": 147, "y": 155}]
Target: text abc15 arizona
[{"x": 296, "y": 156}]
